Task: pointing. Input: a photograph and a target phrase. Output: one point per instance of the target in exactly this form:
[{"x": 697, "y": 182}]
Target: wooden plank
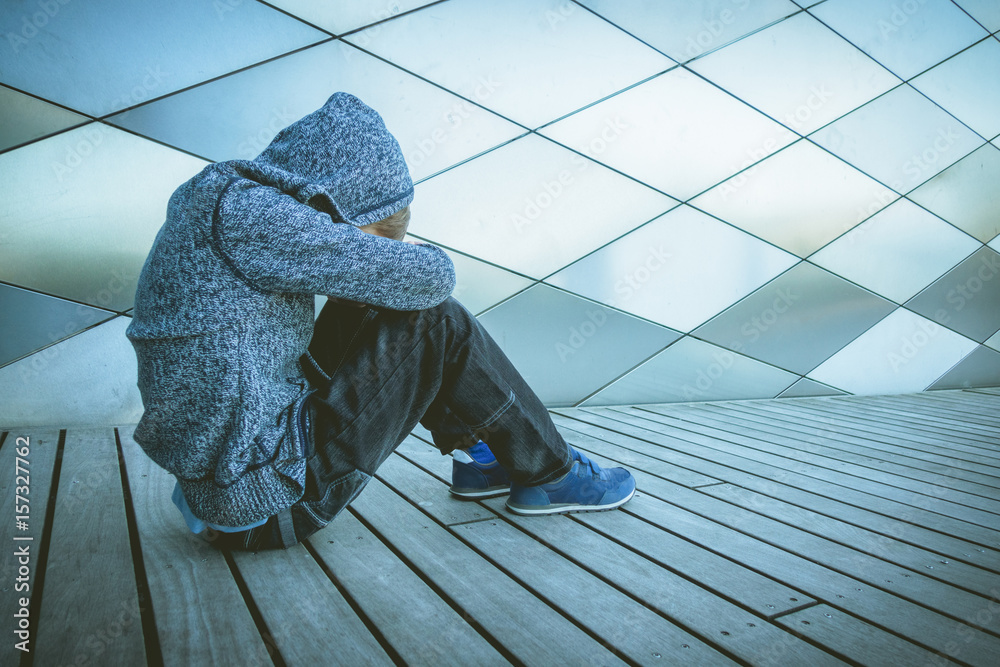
[
  {"x": 532, "y": 631},
  {"x": 871, "y": 442},
  {"x": 892, "y": 520},
  {"x": 626, "y": 626},
  {"x": 975, "y": 414},
  {"x": 450, "y": 510},
  {"x": 829, "y": 449},
  {"x": 760, "y": 594},
  {"x": 90, "y": 606},
  {"x": 714, "y": 619},
  {"x": 200, "y": 615},
  {"x": 859, "y": 641},
  {"x": 916, "y": 417},
  {"x": 305, "y": 614},
  {"x": 922, "y": 626},
  {"x": 911, "y": 584},
  {"x": 889, "y": 421},
  {"x": 919, "y": 560},
  {"x": 404, "y": 608},
  {"x": 751, "y": 449},
  {"x": 19, "y": 585},
  {"x": 963, "y": 402}
]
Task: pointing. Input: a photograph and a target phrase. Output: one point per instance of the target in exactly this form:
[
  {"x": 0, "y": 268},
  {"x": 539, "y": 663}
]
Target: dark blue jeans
[{"x": 377, "y": 373}]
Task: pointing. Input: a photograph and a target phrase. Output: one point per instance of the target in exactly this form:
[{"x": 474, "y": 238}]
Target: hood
[{"x": 340, "y": 160}]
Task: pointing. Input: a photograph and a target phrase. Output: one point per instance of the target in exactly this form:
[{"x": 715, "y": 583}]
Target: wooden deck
[{"x": 858, "y": 530}]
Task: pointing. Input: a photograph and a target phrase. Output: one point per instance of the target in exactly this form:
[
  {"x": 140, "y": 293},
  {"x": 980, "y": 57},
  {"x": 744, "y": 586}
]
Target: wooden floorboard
[{"x": 819, "y": 531}]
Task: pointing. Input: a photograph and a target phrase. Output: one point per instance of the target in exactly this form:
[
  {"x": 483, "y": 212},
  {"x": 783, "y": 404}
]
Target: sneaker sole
[
  {"x": 566, "y": 508},
  {"x": 475, "y": 494}
]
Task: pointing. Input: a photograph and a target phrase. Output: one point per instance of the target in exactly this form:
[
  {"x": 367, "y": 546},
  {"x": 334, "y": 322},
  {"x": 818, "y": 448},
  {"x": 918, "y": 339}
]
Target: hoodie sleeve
[{"x": 274, "y": 243}]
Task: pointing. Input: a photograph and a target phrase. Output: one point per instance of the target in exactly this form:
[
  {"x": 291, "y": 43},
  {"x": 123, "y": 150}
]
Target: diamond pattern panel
[
  {"x": 662, "y": 132},
  {"x": 798, "y": 72},
  {"x": 24, "y": 118},
  {"x": 104, "y": 56},
  {"x": 800, "y": 199},
  {"x": 236, "y": 117},
  {"x": 967, "y": 298},
  {"x": 901, "y": 138},
  {"x": 966, "y": 195},
  {"x": 679, "y": 270},
  {"x": 569, "y": 347},
  {"x": 797, "y": 320},
  {"x": 40, "y": 321},
  {"x": 906, "y": 37},
  {"x": 529, "y": 60},
  {"x": 599, "y": 200}
]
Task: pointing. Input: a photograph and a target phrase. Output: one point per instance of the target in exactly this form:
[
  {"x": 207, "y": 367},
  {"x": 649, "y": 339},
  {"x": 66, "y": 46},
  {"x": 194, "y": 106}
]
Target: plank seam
[
  {"x": 28, "y": 658},
  {"x": 380, "y": 638},
  {"x": 258, "y": 618},
  {"x": 430, "y": 583},
  {"x": 151, "y": 637}
]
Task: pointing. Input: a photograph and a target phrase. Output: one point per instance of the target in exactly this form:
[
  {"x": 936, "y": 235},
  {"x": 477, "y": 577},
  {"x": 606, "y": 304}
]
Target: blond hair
[{"x": 393, "y": 227}]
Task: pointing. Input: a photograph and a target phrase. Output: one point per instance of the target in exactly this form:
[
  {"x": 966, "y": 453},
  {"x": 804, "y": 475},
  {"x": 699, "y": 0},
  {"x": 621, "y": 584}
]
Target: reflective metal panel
[
  {"x": 685, "y": 30},
  {"x": 678, "y": 270},
  {"x": 532, "y": 206},
  {"x": 798, "y": 72},
  {"x": 902, "y": 139},
  {"x": 967, "y": 298},
  {"x": 88, "y": 379},
  {"x": 800, "y": 199},
  {"x": 902, "y": 353},
  {"x": 79, "y": 211},
  {"x": 481, "y": 285},
  {"x": 807, "y": 387},
  {"x": 966, "y": 193},
  {"x": 979, "y": 369},
  {"x": 567, "y": 348},
  {"x": 987, "y": 12},
  {"x": 692, "y": 370},
  {"x": 994, "y": 341},
  {"x": 346, "y": 15},
  {"x": 905, "y": 37},
  {"x": 24, "y": 118},
  {"x": 100, "y": 57},
  {"x": 677, "y": 133},
  {"x": 898, "y": 251},
  {"x": 529, "y": 60},
  {"x": 797, "y": 320},
  {"x": 968, "y": 86},
  {"x": 236, "y": 117},
  {"x": 31, "y": 321}
]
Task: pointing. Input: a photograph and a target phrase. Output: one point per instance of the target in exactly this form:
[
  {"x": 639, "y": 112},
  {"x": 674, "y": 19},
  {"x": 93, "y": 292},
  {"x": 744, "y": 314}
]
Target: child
[{"x": 272, "y": 423}]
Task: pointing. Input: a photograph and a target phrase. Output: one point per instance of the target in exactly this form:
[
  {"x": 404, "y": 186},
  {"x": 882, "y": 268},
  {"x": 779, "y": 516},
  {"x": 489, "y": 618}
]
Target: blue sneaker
[
  {"x": 585, "y": 488},
  {"x": 475, "y": 473}
]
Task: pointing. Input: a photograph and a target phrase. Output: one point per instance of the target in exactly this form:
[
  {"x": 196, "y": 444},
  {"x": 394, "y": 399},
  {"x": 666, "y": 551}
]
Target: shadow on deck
[{"x": 811, "y": 531}]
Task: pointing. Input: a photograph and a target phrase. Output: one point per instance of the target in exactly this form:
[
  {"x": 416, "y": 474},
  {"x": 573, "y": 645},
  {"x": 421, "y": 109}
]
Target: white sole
[{"x": 567, "y": 509}]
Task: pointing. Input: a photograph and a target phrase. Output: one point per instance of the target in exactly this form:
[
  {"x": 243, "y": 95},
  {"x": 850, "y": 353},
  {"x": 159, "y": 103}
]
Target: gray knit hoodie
[{"x": 224, "y": 308}]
